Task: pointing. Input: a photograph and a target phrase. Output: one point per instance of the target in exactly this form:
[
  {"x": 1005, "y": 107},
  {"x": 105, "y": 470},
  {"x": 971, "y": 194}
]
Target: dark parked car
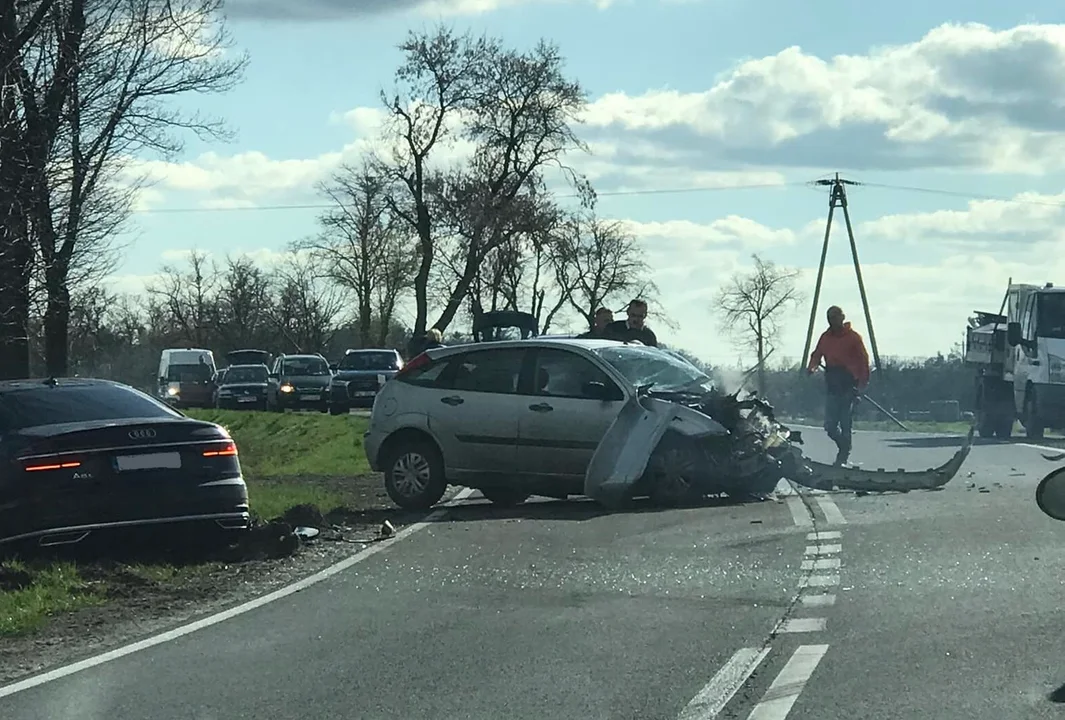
[
  {"x": 85, "y": 456},
  {"x": 299, "y": 381},
  {"x": 359, "y": 376},
  {"x": 243, "y": 387}
]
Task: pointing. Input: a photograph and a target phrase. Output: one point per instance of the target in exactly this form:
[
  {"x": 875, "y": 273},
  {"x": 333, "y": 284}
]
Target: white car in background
[{"x": 510, "y": 418}]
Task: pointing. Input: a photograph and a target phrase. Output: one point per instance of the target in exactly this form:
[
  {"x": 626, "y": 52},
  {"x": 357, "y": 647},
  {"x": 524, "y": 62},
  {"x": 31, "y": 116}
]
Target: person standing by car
[
  {"x": 846, "y": 376},
  {"x": 603, "y": 317},
  {"x": 633, "y": 327}
]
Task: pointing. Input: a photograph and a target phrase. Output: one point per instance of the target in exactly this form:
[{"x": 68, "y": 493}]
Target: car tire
[
  {"x": 672, "y": 472},
  {"x": 336, "y": 409},
  {"x": 414, "y": 473},
  {"x": 504, "y": 497}
]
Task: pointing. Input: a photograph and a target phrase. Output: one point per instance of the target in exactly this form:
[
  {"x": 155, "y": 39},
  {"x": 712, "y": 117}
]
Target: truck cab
[{"x": 1035, "y": 334}]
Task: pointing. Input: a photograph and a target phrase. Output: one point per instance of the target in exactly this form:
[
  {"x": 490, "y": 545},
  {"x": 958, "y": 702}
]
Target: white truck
[{"x": 1019, "y": 358}]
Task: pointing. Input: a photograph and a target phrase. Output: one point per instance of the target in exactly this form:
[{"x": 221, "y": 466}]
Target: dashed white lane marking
[
  {"x": 717, "y": 693},
  {"x": 178, "y": 632},
  {"x": 823, "y": 549},
  {"x": 802, "y": 625},
  {"x": 799, "y": 512},
  {"x": 819, "y": 581},
  {"x": 820, "y": 564},
  {"x": 831, "y": 511},
  {"x": 824, "y": 535},
  {"x": 789, "y": 684},
  {"x": 821, "y": 600}
]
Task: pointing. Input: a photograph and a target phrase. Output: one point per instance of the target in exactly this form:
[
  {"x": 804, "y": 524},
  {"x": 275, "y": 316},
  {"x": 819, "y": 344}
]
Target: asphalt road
[{"x": 924, "y": 605}]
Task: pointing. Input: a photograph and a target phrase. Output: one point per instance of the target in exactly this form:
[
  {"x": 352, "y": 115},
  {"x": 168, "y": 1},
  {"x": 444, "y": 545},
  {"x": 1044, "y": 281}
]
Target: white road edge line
[
  {"x": 789, "y": 684},
  {"x": 832, "y": 512},
  {"x": 717, "y": 693},
  {"x": 816, "y": 581},
  {"x": 823, "y": 549},
  {"x": 258, "y": 602},
  {"x": 799, "y": 513},
  {"x": 820, "y": 564},
  {"x": 1055, "y": 450},
  {"x": 818, "y": 600}
]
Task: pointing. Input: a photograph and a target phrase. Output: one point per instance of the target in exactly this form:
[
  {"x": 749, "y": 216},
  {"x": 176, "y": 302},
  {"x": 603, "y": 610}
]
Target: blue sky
[{"x": 987, "y": 123}]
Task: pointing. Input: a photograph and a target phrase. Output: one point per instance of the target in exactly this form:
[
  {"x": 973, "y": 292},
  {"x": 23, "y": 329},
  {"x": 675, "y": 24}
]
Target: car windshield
[
  {"x": 649, "y": 366},
  {"x": 32, "y": 407},
  {"x": 199, "y": 372},
  {"x": 305, "y": 366},
  {"x": 246, "y": 375},
  {"x": 369, "y": 361}
]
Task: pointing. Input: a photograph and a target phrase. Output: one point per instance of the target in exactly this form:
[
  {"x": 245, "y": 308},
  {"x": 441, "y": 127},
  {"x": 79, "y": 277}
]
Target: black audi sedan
[
  {"x": 85, "y": 456},
  {"x": 243, "y": 387}
]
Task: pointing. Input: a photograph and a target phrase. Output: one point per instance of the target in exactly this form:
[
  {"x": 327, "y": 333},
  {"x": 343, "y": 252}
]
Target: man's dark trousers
[{"x": 839, "y": 415}]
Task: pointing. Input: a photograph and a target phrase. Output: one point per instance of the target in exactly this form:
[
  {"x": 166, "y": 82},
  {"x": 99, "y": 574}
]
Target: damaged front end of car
[{"x": 678, "y": 447}]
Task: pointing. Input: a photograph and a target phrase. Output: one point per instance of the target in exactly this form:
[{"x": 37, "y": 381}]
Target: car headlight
[
  {"x": 172, "y": 391},
  {"x": 286, "y": 388}
]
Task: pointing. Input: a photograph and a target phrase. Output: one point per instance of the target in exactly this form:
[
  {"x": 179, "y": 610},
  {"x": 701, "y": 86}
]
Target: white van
[{"x": 186, "y": 377}]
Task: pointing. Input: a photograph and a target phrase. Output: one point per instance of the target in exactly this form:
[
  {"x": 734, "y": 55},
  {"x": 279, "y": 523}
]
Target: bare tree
[
  {"x": 307, "y": 307},
  {"x": 188, "y": 297},
  {"x": 434, "y": 86},
  {"x": 243, "y": 304},
  {"x": 364, "y": 247},
  {"x": 597, "y": 262},
  {"x": 133, "y": 58},
  {"x": 751, "y": 306},
  {"x": 31, "y": 111}
]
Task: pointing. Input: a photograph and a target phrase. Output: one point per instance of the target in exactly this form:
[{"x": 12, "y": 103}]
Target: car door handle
[
  {"x": 541, "y": 407},
  {"x": 452, "y": 400}
]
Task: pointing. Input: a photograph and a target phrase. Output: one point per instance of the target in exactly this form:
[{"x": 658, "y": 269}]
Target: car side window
[
  {"x": 428, "y": 376},
  {"x": 564, "y": 374},
  {"x": 487, "y": 371}
]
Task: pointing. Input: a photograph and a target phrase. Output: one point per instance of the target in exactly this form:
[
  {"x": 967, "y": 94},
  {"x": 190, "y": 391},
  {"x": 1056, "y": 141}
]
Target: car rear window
[{"x": 32, "y": 407}]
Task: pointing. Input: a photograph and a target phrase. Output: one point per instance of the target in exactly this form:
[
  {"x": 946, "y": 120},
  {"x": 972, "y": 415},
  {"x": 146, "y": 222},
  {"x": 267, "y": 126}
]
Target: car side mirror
[
  {"x": 1050, "y": 494},
  {"x": 1013, "y": 334}
]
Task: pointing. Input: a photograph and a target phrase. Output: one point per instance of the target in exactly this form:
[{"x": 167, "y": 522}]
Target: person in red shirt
[{"x": 846, "y": 376}]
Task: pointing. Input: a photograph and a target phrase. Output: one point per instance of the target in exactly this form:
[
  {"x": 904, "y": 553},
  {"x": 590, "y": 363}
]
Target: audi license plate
[
  {"x": 246, "y": 399},
  {"x": 149, "y": 461},
  {"x": 312, "y": 397}
]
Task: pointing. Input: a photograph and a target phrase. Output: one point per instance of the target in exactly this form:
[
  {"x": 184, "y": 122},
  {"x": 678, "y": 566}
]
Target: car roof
[
  {"x": 355, "y": 351},
  {"x": 544, "y": 341},
  {"x": 38, "y": 383},
  {"x": 246, "y": 365},
  {"x": 300, "y": 356}
]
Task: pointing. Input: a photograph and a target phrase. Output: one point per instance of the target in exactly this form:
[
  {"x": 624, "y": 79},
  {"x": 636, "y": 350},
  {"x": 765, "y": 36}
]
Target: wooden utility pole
[{"x": 837, "y": 198}]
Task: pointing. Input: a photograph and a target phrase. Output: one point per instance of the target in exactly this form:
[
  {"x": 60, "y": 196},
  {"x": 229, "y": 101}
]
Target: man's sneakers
[{"x": 841, "y": 458}]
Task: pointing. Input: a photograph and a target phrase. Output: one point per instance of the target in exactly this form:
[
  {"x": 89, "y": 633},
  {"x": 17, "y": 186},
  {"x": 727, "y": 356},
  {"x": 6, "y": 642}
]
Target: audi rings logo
[{"x": 142, "y": 434}]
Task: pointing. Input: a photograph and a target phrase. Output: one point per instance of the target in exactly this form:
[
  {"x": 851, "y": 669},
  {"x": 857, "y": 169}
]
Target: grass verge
[
  {"x": 294, "y": 459},
  {"x": 29, "y": 594}
]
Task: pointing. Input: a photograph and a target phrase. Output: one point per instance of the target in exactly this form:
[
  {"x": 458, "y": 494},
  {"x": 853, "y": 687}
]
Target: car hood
[{"x": 356, "y": 374}]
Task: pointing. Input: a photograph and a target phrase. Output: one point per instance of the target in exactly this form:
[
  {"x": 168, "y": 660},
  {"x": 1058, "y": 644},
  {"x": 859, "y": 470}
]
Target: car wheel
[
  {"x": 504, "y": 497},
  {"x": 414, "y": 474},
  {"x": 337, "y": 409},
  {"x": 672, "y": 473},
  {"x": 324, "y": 407}
]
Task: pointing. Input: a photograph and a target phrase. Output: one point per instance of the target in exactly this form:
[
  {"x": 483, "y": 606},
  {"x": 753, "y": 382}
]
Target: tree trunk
[{"x": 57, "y": 322}]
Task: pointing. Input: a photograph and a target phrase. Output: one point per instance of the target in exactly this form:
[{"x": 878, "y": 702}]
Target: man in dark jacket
[
  {"x": 846, "y": 376},
  {"x": 633, "y": 327}
]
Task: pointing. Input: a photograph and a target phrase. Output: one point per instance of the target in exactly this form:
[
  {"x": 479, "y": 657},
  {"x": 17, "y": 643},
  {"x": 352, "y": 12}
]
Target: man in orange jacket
[{"x": 846, "y": 376}]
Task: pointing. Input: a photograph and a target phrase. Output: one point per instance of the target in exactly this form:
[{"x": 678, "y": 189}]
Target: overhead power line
[{"x": 648, "y": 192}]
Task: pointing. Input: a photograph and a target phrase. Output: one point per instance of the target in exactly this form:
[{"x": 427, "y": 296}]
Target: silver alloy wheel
[{"x": 411, "y": 474}]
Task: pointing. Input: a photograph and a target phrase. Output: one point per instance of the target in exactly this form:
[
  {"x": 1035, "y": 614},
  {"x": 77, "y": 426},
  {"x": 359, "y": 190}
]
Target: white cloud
[{"x": 961, "y": 96}]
